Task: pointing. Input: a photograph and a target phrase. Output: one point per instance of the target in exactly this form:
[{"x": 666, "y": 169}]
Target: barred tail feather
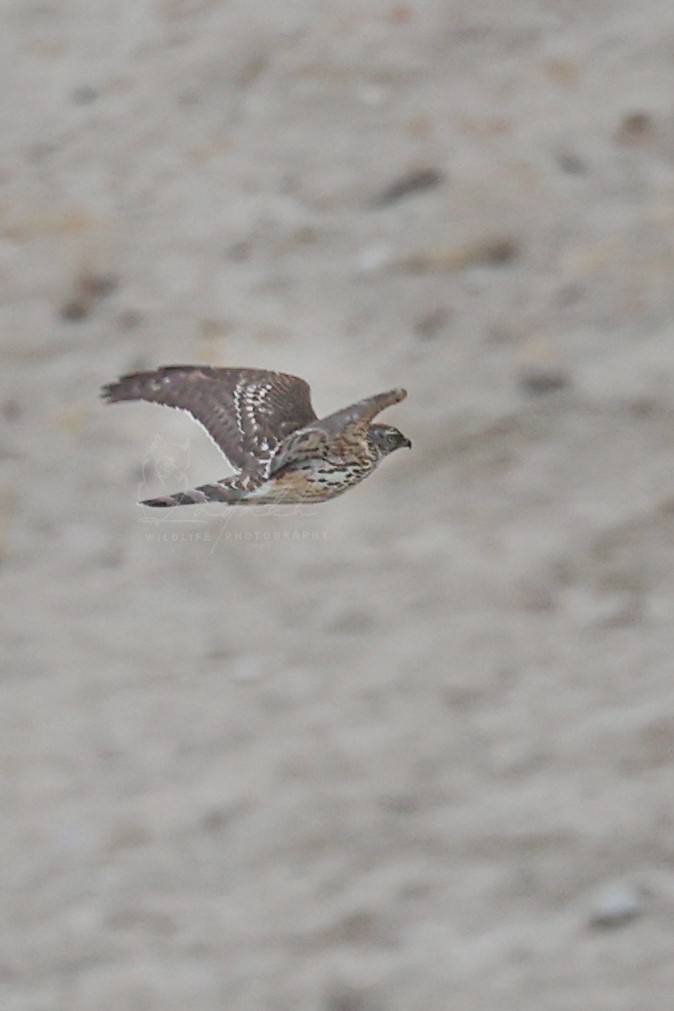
[{"x": 222, "y": 491}]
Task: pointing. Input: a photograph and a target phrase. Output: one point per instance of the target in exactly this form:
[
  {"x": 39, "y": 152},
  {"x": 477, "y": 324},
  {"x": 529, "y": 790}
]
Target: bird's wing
[
  {"x": 344, "y": 432},
  {"x": 247, "y": 412}
]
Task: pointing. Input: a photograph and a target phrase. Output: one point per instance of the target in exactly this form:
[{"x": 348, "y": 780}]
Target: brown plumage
[{"x": 265, "y": 426}]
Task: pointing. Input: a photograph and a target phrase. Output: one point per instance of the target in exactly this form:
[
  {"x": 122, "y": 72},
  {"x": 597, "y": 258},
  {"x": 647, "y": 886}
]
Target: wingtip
[
  {"x": 115, "y": 391},
  {"x": 395, "y": 396},
  {"x": 112, "y": 393}
]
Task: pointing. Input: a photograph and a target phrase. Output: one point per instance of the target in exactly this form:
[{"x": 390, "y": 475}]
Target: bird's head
[{"x": 386, "y": 438}]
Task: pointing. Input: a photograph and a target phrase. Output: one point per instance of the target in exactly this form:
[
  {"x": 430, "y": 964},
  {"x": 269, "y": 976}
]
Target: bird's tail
[{"x": 222, "y": 491}]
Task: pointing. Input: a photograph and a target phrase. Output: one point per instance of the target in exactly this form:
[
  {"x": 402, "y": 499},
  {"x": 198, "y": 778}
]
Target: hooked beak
[{"x": 407, "y": 444}]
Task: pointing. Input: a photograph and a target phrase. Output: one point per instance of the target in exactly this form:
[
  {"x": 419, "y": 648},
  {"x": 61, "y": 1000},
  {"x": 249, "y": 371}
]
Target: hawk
[{"x": 264, "y": 425}]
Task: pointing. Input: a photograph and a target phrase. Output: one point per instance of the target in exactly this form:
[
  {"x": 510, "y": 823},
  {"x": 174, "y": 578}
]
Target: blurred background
[{"x": 412, "y": 748}]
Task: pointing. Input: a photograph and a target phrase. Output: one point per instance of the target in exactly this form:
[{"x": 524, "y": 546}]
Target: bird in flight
[{"x": 264, "y": 425}]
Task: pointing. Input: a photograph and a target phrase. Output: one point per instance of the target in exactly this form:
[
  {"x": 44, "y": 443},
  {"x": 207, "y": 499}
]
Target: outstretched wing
[
  {"x": 247, "y": 412},
  {"x": 343, "y": 433}
]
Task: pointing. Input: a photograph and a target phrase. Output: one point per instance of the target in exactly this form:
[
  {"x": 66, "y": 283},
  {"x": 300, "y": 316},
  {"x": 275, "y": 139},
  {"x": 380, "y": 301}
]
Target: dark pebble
[
  {"x": 75, "y": 310},
  {"x": 540, "y": 381},
  {"x": 413, "y": 182},
  {"x": 635, "y": 128},
  {"x": 432, "y": 324}
]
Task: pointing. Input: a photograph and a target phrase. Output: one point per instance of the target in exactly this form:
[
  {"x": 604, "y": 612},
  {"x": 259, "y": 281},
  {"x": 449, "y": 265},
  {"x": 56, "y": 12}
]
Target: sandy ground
[{"x": 412, "y": 749}]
